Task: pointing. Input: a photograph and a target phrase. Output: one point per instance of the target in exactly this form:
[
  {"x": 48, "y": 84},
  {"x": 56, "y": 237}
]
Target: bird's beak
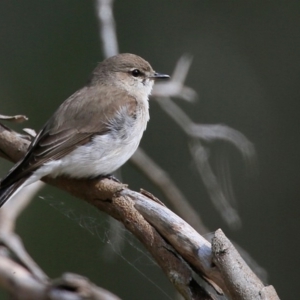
[{"x": 160, "y": 76}]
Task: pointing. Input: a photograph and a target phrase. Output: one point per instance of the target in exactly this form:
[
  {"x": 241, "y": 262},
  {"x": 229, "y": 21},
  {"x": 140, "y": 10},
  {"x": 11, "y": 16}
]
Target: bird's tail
[{"x": 6, "y": 192}]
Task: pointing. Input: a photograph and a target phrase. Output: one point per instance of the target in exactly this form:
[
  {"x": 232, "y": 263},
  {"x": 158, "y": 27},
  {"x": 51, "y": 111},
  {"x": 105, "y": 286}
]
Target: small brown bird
[{"x": 95, "y": 131}]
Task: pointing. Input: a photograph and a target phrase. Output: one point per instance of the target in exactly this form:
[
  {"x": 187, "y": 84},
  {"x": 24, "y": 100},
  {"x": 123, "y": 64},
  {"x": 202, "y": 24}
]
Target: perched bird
[{"x": 95, "y": 131}]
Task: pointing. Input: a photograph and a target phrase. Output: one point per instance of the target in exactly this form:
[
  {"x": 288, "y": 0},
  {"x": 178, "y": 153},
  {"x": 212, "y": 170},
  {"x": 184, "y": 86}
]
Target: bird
[{"x": 94, "y": 131}]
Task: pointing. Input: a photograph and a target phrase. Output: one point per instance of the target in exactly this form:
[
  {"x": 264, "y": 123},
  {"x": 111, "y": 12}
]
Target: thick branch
[{"x": 241, "y": 281}]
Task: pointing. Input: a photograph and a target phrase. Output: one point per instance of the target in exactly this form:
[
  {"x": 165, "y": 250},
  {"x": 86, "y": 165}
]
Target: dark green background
[{"x": 246, "y": 70}]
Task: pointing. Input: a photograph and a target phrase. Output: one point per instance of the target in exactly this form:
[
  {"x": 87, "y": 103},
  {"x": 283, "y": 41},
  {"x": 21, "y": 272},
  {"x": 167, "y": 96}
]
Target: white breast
[{"x": 105, "y": 153}]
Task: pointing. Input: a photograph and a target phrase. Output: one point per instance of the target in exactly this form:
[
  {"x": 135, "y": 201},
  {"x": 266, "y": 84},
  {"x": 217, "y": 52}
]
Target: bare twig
[
  {"x": 201, "y": 154},
  {"x": 16, "y": 118},
  {"x": 6, "y": 148},
  {"x": 78, "y": 287},
  {"x": 8, "y": 216},
  {"x": 107, "y": 28},
  {"x": 175, "y": 87}
]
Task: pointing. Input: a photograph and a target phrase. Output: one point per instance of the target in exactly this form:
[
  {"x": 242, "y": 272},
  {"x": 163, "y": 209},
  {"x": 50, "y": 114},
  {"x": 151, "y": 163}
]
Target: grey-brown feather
[{"x": 82, "y": 121}]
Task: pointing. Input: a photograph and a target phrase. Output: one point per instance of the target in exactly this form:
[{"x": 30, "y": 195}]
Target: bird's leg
[{"x": 109, "y": 176}]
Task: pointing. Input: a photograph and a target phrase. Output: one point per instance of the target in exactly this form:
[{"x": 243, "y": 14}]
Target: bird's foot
[{"x": 112, "y": 177}]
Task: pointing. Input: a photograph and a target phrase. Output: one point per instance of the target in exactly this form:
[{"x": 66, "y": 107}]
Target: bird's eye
[{"x": 136, "y": 73}]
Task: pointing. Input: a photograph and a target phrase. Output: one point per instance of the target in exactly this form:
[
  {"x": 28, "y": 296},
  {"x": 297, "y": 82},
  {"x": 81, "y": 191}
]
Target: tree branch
[{"x": 174, "y": 244}]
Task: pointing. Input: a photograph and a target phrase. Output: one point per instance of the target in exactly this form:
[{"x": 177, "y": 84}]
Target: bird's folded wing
[{"x": 82, "y": 121}]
